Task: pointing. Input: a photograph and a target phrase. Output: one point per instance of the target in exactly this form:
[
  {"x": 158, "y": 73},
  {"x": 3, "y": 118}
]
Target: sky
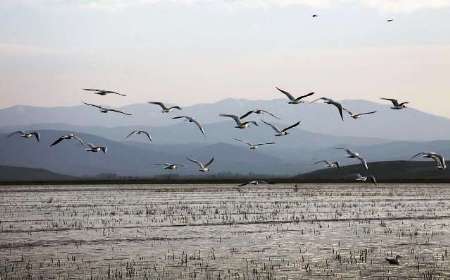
[{"x": 198, "y": 51}]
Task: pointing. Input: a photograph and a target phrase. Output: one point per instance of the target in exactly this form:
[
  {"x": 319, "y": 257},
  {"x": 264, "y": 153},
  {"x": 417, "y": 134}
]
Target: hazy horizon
[{"x": 202, "y": 51}]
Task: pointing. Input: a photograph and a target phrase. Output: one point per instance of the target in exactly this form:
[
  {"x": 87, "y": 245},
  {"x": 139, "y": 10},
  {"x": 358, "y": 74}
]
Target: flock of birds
[{"x": 241, "y": 122}]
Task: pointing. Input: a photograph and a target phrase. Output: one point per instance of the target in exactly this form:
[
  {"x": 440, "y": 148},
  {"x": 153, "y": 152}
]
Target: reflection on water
[{"x": 223, "y": 232}]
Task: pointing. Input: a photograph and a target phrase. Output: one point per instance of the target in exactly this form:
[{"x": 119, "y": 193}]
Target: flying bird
[
  {"x": 103, "y": 92},
  {"x": 191, "y": 120},
  {"x": 254, "y": 183},
  {"x": 258, "y": 112},
  {"x": 390, "y": 20},
  {"x": 292, "y": 99},
  {"x": 95, "y": 149},
  {"x": 164, "y": 108},
  {"x": 334, "y": 103},
  {"x": 394, "y": 261},
  {"x": 396, "y": 104},
  {"x": 281, "y": 132},
  {"x": 69, "y": 136},
  {"x": 315, "y": 15},
  {"x": 371, "y": 178},
  {"x": 439, "y": 159},
  {"x": 355, "y": 155},
  {"x": 254, "y": 146},
  {"x": 329, "y": 164},
  {"x": 203, "y": 167},
  {"x": 107, "y": 110},
  {"x": 26, "y": 134},
  {"x": 169, "y": 165},
  {"x": 239, "y": 123},
  {"x": 138, "y": 132},
  {"x": 358, "y": 115}
]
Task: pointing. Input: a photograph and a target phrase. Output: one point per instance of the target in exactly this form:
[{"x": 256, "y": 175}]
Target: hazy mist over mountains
[{"x": 388, "y": 135}]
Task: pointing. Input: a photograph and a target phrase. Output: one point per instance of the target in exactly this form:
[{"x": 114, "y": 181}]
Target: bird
[
  {"x": 394, "y": 261},
  {"x": 67, "y": 137},
  {"x": 329, "y": 164},
  {"x": 107, "y": 110},
  {"x": 281, "y": 132},
  {"x": 390, "y": 20},
  {"x": 203, "y": 167},
  {"x": 103, "y": 92},
  {"x": 315, "y": 15},
  {"x": 140, "y": 132},
  {"x": 439, "y": 159},
  {"x": 355, "y": 155},
  {"x": 396, "y": 104},
  {"x": 164, "y": 108},
  {"x": 371, "y": 178},
  {"x": 334, "y": 103},
  {"x": 292, "y": 99},
  {"x": 26, "y": 134},
  {"x": 254, "y": 183},
  {"x": 239, "y": 123},
  {"x": 95, "y": 149},
  {"x": 192, "y": 120},
  {"x": 254, "y": 146},
  {"x": 258, "y": 112},
  {"x": 358, "y": 115},
  {"x": 169, "y": 165}
]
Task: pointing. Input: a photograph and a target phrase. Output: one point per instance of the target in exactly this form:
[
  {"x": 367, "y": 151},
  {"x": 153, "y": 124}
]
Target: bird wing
[
  {"x": 16, "y": 132},
  {"x": 368, "y": 113},
  {"x": 290, "y": 127},
  {"x": 57, "y": 141},
  {"x": 394, "y": 101},
  {"x": 363, "y": 162},
  {"x": 246, "y": 115},
  {"x": 417, "y": 155},
  {"x": 248, "y": 143},
  {"x": 322, "y": 161},
  {"x": 262, "y": 144},
  {"x": 160, "y": 104},
  {"x": 147, "y": 134},
  {"x": 269, "y": 113},
  {"x": 198, "y": 125},
  {"x": 36, "y": 134},
  {"x": 348, "y": 111},
  {"x": 115, "y": 92},
  {"x": 196, "y": 162},
  {"x": 175, "y": 107},
  {"x": 181, "y": 117},
  {"x": 234, "y": 117},
  {"x": 92, "y": 89},
  {"x": 93, "y": 105},
  {"x": 306, "y": 95},
  {"x": 339, "y": 107},
  {"x": 79, "y": 140},
  {"x": 273, "y": 127},
  {"x": 131, "y": 133},
  {"x": 292, "y": 98},
  {"x": 209, "y": 162},
  {"x": 119, "y": 111},
  {"x": 243, "y": 184}
]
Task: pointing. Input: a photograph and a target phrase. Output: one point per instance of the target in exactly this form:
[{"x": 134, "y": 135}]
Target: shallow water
[{"x": 223, "y": 232}]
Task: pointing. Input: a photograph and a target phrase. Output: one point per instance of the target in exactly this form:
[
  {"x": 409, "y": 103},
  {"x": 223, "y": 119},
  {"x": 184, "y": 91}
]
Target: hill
[{"x": 23, "y": 174}]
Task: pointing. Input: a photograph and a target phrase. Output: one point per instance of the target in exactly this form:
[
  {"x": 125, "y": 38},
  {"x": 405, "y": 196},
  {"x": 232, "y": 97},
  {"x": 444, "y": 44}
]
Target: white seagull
[
  {"x": 439, "y": 159},
  {"x": 27, "y": 134},
  {"x": 281, "y": 132},
  {"x": 334, "y": 103},
  {"x": 254, "y": 146},
  {"x": 103, "y": 92},
  {"x": 239, "y": 123},
  {"x": 68, "y": 137},
  {"x": 107, "y": 110},
  {"x": 164, "y": 108},
  {"x": 371, "y": 178},
  {"x": 138, "y": 132},
  {"x": 258, "y": 112},
  {"x": 169, "y": 165},
  {"x": 203, "y": 167},
  {"x": 254, "y": 183},
  {"x": 355, "y": 155},
  {"x": 329, "y": 164},
  {"x": 358, "y": 115},
  {"x": 396, "y": 104},
  {"x": 95, "y": 149},
  {"x": 192, "y": 120},
  {"x": 292, "y": 99}
]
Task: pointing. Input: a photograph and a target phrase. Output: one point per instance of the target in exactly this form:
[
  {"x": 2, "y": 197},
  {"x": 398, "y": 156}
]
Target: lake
[{"x": 313, "y": 231}]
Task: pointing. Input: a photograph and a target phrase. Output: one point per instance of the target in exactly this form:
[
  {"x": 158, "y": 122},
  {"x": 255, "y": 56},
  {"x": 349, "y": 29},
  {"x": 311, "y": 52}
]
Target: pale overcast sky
[{"x": 192, "y": 51}]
